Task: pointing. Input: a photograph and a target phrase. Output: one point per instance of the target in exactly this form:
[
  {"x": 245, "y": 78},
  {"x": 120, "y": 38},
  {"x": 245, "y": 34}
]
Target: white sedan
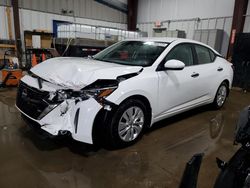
[{"x": 123, "y": 90}]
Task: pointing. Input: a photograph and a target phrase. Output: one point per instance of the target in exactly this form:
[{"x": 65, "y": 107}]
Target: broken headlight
[
  {"x": 62, "y": 95},
  {"x": 100, "y": 89},
  {"x": 98, "y": 94},
  {"x": 97, "y": 90}
]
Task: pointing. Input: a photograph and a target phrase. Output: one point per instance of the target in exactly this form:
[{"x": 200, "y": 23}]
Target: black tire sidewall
[
  {"x": 215, "y": 104},
  {"x": 113, "y": 138}
]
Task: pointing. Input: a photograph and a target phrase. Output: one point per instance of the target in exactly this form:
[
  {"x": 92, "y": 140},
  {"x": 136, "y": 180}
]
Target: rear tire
[
  {"x": 127, "y": 125},
  {"x": 221, "y": 96}
]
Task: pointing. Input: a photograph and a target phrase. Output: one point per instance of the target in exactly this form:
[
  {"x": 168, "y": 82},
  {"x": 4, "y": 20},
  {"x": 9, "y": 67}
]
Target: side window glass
[
  {"x": 212, "y": 55},
  {"x": 203, "y": 54},
  {"x": 182, "y": 53}
]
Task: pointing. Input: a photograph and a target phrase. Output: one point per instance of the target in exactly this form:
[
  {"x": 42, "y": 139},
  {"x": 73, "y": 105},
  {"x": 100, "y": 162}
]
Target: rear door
[{"x": 209, "y": 70}]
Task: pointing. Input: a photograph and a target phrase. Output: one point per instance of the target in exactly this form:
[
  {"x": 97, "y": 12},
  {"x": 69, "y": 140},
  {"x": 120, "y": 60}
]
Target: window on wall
[
  {"x": 182, "y": 52},
  {"x": 204, "y": 55}
]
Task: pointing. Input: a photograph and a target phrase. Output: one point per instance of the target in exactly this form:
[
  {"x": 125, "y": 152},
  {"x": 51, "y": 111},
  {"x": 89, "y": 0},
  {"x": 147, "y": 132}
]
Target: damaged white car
[{"x": 114, "y": 96}]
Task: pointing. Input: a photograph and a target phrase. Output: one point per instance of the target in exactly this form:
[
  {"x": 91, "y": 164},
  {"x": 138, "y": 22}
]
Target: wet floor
[{"x": 29, "y": 160}]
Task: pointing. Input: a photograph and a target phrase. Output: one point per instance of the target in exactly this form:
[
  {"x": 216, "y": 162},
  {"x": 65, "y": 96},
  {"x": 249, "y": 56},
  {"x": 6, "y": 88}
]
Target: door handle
[
  {"x": 194, "y": 75},
  {"x": 220, "y": 69}
]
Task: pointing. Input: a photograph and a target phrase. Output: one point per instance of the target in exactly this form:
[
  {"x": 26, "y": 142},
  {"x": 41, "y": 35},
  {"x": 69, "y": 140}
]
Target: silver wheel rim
[
  {"x": 131, "y": 124},
  {"x": 221, "y": 95}
]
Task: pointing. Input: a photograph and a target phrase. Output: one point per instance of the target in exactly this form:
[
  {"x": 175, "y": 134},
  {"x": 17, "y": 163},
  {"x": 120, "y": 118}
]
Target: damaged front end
[{"x": 59, "y": 111}]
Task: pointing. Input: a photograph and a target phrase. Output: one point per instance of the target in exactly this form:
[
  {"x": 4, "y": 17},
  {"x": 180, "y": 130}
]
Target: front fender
[{"x": 146, "y": 86}]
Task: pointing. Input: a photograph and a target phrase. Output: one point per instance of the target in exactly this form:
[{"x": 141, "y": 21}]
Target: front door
[{"x": 179, "y": 89}]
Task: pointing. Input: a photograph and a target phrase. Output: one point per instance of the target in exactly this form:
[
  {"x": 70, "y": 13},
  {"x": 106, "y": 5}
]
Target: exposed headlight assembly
[
  {"x": 63, "y": 95},
  {"x": 100, "y": 93},
  {"x": 98, "y": 90}
]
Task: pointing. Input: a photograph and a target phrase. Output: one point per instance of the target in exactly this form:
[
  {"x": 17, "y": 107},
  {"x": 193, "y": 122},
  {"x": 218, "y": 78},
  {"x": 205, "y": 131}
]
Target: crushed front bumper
[{"x": 76, "y": 117}]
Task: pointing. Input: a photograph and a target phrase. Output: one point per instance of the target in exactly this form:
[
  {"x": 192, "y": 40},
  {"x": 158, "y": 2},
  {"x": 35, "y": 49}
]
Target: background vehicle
[{"x": 128, "y": 87}]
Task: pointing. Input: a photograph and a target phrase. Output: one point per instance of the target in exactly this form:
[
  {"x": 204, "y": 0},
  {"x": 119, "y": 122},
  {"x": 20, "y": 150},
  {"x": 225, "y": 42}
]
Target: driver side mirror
[{"x": 174, "y": 64}]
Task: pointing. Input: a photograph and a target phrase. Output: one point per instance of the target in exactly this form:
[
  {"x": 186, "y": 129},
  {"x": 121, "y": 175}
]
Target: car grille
[{"x": 31, "y": 101}]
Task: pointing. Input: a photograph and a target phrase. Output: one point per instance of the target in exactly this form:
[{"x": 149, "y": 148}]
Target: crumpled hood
[{"x": 76, "y": 73}]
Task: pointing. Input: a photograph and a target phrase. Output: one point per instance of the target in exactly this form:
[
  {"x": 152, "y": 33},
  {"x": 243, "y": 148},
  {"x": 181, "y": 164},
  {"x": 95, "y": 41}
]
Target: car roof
[
  {"x": 169, "y": 40},
  {"x": 165, "y": 39},
  {"x": 155, "y": 39}
]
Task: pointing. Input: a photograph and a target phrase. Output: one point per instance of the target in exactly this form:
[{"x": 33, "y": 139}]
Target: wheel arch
[
  {"x": 145, "y": 101},
  {"x": 104, "y": 116},
  {"x": 228, "y": 85}
]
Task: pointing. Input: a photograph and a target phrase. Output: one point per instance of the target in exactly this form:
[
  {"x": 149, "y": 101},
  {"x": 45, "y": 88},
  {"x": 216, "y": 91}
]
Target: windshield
[{"x": 137, "y": 53}]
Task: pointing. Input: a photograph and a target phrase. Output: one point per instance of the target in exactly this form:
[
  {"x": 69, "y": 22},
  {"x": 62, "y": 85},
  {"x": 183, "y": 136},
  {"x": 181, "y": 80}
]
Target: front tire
[
  {"x": 127, "y": 125},
  {"x": 221, "y": 96}
]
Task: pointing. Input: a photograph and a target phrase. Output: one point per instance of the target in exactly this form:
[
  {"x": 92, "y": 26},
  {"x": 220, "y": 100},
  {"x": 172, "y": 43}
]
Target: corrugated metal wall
[
  {"x": 190, "y": 25},
  {"x": 183, "y": 9},
  {"x": 30, "y": 20},
  {"x": 182, "y": 15},
  {"x": 81, "y": 8}
]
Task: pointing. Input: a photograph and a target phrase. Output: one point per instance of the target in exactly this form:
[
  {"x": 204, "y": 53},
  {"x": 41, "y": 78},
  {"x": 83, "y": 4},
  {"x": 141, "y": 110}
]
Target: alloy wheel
[
  {"x": 131, "y": 124},
  {"x": 221, "y": 95}
]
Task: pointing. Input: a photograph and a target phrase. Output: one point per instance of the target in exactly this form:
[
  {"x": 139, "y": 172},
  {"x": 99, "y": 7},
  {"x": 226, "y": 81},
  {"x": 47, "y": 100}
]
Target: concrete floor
[{"x": 158, "y": 160}]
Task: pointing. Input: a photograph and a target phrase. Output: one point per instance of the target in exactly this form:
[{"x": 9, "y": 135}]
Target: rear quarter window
[
  {"x": 204, "y": 55},
  {"x": 212, "y": 55}
]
